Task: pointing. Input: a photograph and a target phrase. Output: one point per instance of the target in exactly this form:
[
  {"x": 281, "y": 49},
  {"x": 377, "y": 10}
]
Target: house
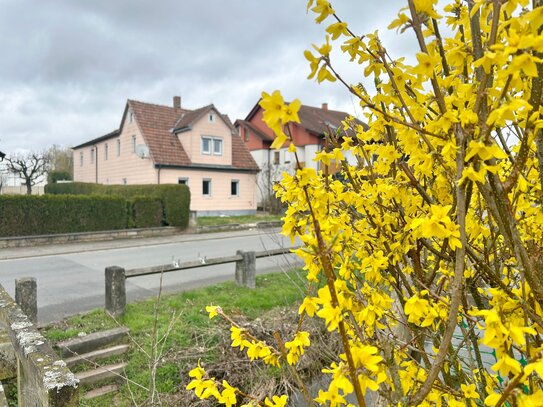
[
  {"x": 157, "y": 144},
  {"x": 308, "y": 136}
]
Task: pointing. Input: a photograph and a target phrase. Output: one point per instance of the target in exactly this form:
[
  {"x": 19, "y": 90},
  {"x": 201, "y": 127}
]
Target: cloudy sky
[{"x": 68, "y": 66}]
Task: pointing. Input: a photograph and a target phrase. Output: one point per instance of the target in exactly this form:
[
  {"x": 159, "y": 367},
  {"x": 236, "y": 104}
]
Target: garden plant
[{"x": 425, "y": 257}]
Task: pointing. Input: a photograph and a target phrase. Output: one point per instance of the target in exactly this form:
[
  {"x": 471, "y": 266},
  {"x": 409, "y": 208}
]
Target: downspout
[
  {"x": 158, "y": 174},
  {"x": 96, "y": 162},
  {"x": 269, "y": 188}
]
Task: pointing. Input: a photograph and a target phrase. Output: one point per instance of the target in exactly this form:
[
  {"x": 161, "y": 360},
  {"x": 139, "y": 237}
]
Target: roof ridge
[{"x": 159, "y": 105}]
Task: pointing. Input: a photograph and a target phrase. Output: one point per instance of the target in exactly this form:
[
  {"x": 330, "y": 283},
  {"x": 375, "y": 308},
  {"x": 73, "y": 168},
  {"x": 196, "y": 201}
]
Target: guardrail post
[
  {"x": 26, "y": 296},
  {"x": 115, "y": 290},
  {"x": 246, "y": 269}
]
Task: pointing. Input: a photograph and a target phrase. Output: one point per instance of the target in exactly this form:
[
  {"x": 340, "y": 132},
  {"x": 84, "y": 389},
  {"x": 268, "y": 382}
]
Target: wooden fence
[
  {"x": 245, "y": 274},
  {"x": 42, "y": 378}
]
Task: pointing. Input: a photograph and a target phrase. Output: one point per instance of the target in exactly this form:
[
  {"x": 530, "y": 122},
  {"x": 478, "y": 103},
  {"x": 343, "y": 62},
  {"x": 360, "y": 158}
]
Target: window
[
  {"x": 118, "y": 147},
  {"x": 130, "y": 117},
  {"x": 183, "y": 181},
  {"x": 92, "y": 156},
  {"x": 211, "y": 118},
  {"x": 206, "y": 187},
  {"x": 287, "y": 157},
  {"x": 81, "y": 159},
  {"x": 206, "y": 145},
  {"x": 217, "y": 146},
  {"x": 133, "y": 144},
  {"x": 234, "y": 187},
  {"x": 106, "y": 151},
  {"x": 211, "y": 145},
  {"x": 276, "y": 157},
  {"x": 247, "y": 134}
]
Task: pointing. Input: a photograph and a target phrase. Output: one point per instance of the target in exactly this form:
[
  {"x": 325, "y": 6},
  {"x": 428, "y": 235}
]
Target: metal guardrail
[
  {"x": 166, "y": 268},
  {"x": 245, "y": 274}
]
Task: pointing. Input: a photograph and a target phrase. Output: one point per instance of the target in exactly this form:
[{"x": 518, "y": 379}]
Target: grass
[
  {"x": 227, "y": 220},
  {"x": 193, "y": 335}
]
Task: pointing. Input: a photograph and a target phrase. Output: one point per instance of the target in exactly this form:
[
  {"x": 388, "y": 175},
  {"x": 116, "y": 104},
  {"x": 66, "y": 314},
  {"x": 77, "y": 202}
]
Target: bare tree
[
  {"x": 60, "y": 163},
  {"x": 31, "y": 167}
]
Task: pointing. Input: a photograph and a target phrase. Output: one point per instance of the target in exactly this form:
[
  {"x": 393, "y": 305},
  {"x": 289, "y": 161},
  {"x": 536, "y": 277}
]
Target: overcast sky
[{"x": 68, "y": 66}]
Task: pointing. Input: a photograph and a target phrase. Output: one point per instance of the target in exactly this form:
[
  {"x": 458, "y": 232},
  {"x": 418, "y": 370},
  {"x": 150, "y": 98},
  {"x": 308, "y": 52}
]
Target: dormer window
[
  {"x": 211, "y": 118},
  {"x": 211, "y": 145},
  {"x": 130, "y": 117}
]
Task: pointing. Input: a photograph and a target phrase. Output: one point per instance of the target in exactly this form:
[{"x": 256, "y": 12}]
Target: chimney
[
  {"x": 177, "y": 102},
  {"x": 325, "y": 106}
]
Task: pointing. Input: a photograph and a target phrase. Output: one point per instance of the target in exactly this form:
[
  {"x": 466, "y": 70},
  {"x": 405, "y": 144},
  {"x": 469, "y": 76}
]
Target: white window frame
[
  {"x": 106, "y": 151},
  {"x": 81, "y": 158},
  {"x": 183, "y": 181},
  {"x": 211, "y": 117},
  {"x": 212, "y": 141},
  {"x": 236, "y": 182},
  {"x": 134, "y": 144},
  {"x": 118, "y": 147},
  {"x": 92, "y": 153},
  {"x": 208, "y": 188}
]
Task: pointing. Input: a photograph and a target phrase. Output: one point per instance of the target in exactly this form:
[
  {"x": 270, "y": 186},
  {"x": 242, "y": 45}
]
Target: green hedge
[
  {"x": 26, "y": 215},
  {"x": 175, "y": 198},
  {"x": 147, "y": 212}
]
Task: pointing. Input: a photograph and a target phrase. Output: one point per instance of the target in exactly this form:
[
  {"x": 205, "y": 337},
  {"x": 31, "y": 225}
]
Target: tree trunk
[{"x": 28, "y": 187}]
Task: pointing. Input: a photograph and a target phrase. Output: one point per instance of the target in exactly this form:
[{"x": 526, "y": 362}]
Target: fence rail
[{"x": 245, "y": 274}]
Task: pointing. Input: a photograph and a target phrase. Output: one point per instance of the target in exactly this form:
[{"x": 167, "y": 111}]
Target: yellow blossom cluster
[{"x": 422, "y": 226}]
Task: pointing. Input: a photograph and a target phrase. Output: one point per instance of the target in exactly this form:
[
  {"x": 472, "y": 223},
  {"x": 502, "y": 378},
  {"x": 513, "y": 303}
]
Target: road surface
[{"x": 70, "y": 278}]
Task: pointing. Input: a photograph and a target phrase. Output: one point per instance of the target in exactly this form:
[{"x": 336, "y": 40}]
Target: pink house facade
[{"x": 158, "y": 144}]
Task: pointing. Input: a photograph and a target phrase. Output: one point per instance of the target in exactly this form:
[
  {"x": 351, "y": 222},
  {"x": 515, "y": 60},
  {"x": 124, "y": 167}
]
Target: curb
[{"x": 102, "y": 236}]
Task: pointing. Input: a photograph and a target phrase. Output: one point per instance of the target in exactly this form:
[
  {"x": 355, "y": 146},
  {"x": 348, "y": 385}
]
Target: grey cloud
[{"x": 70, "y": 65}]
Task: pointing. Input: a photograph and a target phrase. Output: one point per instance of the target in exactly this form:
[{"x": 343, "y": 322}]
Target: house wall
[
  {"x": 125, "y": 168},
  {"x": 192, "y": 141},
  {"x": 220, "y": 201}
]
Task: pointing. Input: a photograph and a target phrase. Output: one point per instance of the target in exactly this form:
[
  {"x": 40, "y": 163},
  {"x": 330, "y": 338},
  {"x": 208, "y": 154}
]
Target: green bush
[
  {"x": 175, "y": 198},
  {"x": 26, "y": 215},
  {"x": 147, "y": 212},
  {"x": 55, "y": 176}
]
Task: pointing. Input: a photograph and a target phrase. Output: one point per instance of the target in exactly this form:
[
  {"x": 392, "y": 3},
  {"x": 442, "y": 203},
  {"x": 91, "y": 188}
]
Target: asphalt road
[{"x": 70, "y": 277}]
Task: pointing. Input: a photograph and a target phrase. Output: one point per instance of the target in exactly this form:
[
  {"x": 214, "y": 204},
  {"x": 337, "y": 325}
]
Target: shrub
[
  {"x": 26, "y": 215},
  {"x": 147, "y": 211},
  {"x": 175, "y": 198}
]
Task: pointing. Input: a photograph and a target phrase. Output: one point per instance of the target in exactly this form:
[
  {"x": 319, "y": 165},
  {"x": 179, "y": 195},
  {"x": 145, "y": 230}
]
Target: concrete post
[
  {"x": 246, "y": 269},
  {"x": 192, "y": 227},
  {"x": 26, "y": 296},
  {"x": 115, "y": 291}
]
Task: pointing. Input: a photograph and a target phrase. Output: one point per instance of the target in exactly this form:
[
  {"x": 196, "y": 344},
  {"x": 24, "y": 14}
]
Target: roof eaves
[{"x": 107, "y": 136}]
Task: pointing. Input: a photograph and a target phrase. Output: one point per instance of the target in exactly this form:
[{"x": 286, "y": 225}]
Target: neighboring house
[
  {"x": 171, "y": 145},
  {"x": 308, "y": 136}
]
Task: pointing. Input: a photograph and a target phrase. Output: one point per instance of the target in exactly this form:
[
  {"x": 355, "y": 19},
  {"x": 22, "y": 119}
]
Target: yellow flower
[
  {"x": 337, "y": 29},
  {"x": 228, "y": 395},
  {"x": 213, "y": 310},
  {"x": 469, "y": 391},
  {"x": 426, "y": 65},
  {"x": 276, "y": 401},
  {"x": 323, "y": 9}
]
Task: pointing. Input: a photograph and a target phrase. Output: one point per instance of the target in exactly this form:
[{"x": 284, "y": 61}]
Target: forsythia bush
[{"x": 431, "y": 248}]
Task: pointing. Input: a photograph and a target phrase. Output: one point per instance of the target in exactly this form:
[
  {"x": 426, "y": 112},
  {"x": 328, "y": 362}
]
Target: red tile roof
[
  {"x": 156, "y": 123},
  {"x": 315, "y": 120}
]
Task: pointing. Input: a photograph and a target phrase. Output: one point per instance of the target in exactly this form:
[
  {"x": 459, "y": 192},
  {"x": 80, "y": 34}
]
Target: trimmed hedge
[
  {"x": 26, "y": 215},
  {"x": 147, "y": 212},
  {"x": 175, "y": 198}
]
